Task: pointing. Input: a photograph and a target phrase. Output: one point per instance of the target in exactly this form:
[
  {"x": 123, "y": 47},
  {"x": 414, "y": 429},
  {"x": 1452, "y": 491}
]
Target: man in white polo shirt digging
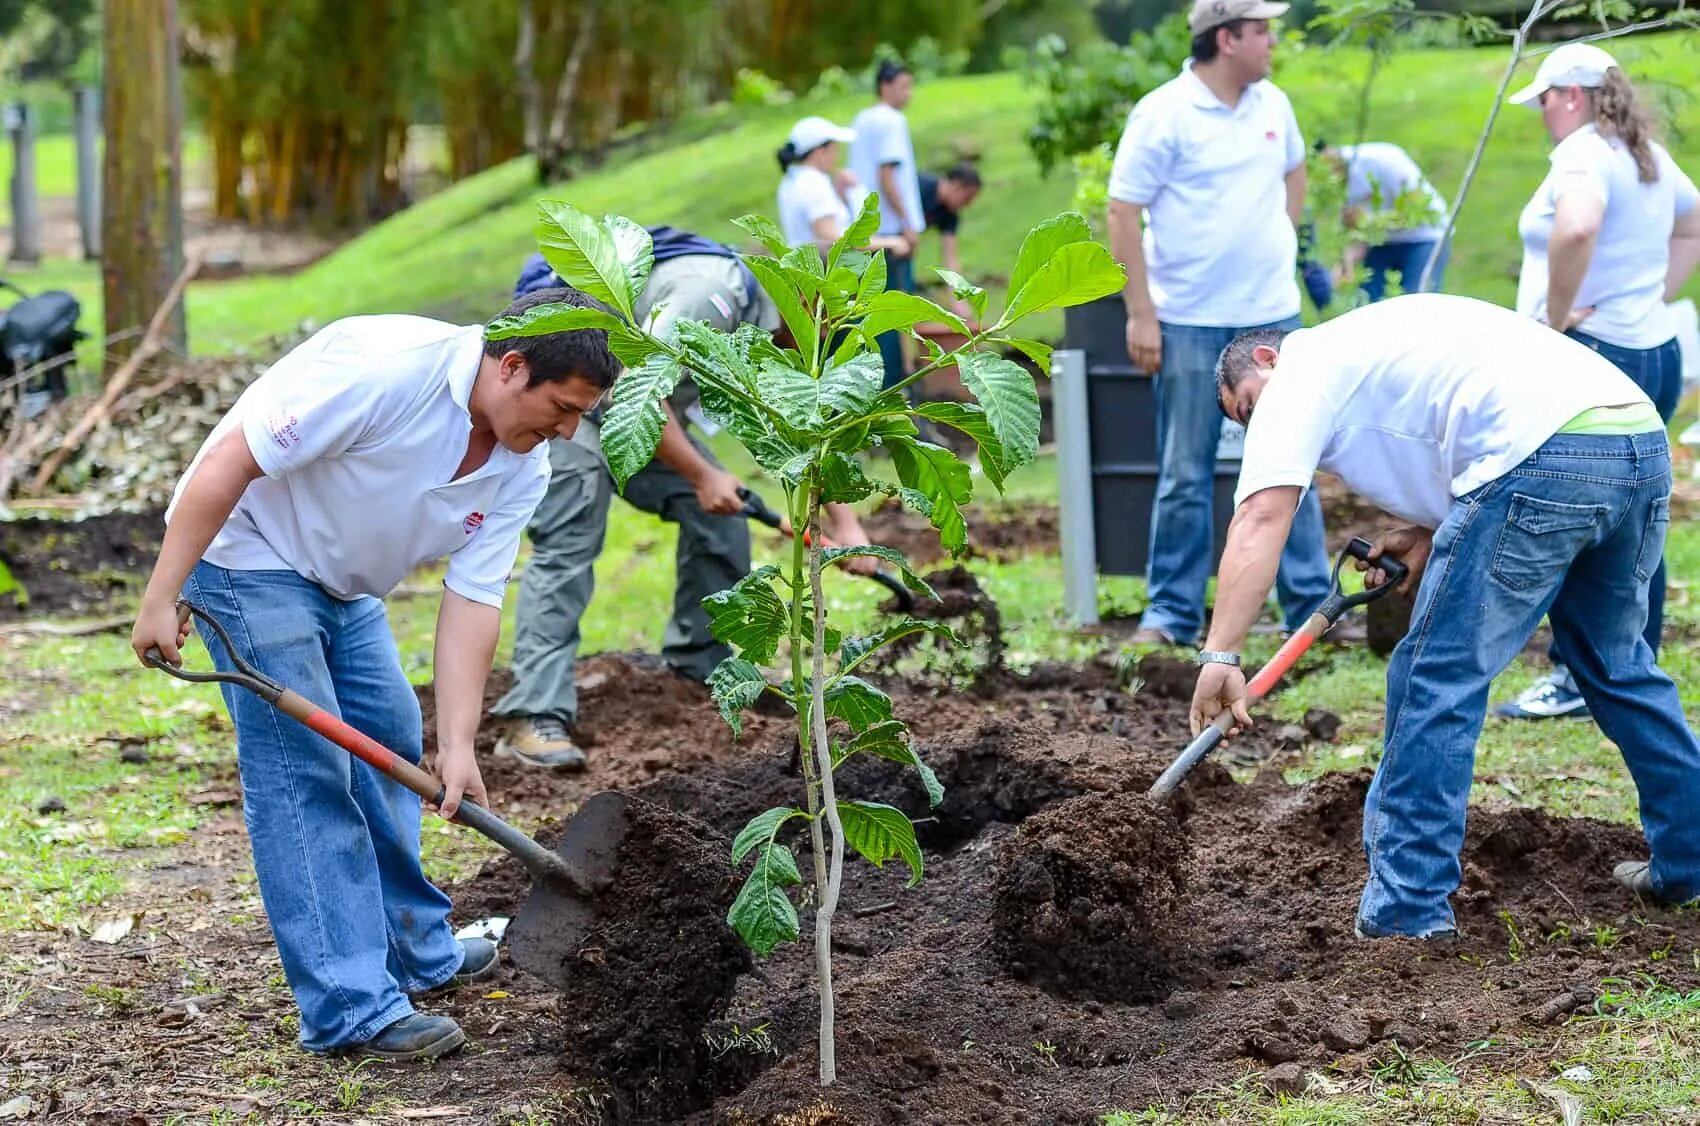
[
  {"x": 1536, "y": 477},
  {"x": 378, "y": 444},
  {"x": 1214, "y": 160}
]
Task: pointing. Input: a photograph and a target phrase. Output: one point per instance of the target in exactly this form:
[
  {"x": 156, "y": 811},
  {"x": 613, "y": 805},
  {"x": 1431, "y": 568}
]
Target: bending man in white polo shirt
[
  {"x": 1214, "y": 160},
  {"x": 378, "y": 444},
  {"x": 1537, "y": 480}
]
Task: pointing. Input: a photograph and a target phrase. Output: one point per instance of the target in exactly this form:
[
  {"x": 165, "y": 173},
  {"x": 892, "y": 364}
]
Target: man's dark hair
[
  {"x": 890, "y": 70},
  {"x": 558, "y": 356},
  {"x": 1235, "y": 362},
  {"x": 965, "y": 174},
  {"x": 1204, "y": 44}
]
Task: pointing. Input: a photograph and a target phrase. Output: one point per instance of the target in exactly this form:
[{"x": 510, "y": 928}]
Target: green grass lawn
[{"x": 455, "y": 255}]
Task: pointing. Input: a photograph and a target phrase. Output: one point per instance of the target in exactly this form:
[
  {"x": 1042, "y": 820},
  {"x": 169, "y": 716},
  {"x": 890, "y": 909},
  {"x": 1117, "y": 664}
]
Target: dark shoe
[
  {"x": 1551, "y": 697},
  {"x": 418, "y": 1036},
  {"x": 478, "y": 963},
  {"x": 1637, "y": 876},
  {"x": 540, "y": 741},
  {"x": 1151, "y": 635}
]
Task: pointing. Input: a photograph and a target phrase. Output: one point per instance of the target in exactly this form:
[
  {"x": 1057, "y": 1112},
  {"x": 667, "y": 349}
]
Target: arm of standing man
[
  {"x": 892, "y": 194},
  {"x": 1144, "y": 335},
  {"x": 1297, "y": 181},
  {"x": 1684, "y": 252}
]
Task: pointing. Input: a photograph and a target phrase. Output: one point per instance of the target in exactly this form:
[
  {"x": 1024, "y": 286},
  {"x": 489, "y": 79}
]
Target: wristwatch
[{"x": 1217, "y": 657}]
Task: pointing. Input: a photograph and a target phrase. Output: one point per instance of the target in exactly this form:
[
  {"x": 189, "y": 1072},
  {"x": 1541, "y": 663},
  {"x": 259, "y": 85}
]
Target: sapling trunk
[{"x": 829, "y": 803}]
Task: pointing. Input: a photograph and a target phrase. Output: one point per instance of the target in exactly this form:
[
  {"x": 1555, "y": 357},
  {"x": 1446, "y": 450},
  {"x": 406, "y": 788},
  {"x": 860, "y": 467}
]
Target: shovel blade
[{"x": 546, "y": 935}]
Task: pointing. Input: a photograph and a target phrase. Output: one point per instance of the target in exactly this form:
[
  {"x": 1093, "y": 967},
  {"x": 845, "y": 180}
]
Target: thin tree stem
[{"x": 829, "y": 801}]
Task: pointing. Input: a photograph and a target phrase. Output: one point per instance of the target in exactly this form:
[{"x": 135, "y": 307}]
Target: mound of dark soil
[
  {"x": 1085, "y": 893},
  {"x": 68, "y": 567},
  {"x": 1000, "y": 533}
]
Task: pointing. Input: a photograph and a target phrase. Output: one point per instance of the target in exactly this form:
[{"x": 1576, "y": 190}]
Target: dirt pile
[
  {"x": 70, "y": 567},
  {"x": 1085, "y": 893},
  {"x": 993, "y": 533}
]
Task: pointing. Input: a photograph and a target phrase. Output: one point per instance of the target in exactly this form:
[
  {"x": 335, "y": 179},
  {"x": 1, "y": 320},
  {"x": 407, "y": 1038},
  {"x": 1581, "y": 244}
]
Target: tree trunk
[
  {"x": 142, "y": 183},
  {"x": 552, "y": 153},
  {"x": 525, "y": 72}
]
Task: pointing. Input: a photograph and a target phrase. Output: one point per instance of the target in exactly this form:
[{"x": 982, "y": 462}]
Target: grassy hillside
[{"x": 455, "y": 255}]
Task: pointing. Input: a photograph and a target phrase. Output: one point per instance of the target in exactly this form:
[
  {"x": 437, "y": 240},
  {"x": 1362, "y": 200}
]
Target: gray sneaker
[
  {"x": 541, "y": 741},
  {"x": 1637, "y": 876}
]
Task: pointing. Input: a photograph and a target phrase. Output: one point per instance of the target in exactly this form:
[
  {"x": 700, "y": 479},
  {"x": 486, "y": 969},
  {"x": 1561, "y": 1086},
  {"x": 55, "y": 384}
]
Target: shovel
[
  {"x": 555, "y": 915},
  {"x": 756, "y": 509},
  {"x": 1332, "y": 608}
]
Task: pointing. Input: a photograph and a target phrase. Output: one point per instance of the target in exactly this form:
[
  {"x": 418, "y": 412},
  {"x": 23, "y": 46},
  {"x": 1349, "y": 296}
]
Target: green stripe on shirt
[{"x": 1631, "y": 418}]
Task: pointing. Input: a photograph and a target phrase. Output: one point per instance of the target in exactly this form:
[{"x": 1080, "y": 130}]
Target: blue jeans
[
  {"x": 899, "y": 275},
  {"x": 336, "y": 843},
  {"x": 1658, "y": 372},
  {"x": 1408, "y": 260},
  {"x": 1574, "y": 532},
  {"x": 1189, "y": 421}
]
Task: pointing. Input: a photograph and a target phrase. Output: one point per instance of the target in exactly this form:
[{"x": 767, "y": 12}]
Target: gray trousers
[{"x": 567, "y": 534}]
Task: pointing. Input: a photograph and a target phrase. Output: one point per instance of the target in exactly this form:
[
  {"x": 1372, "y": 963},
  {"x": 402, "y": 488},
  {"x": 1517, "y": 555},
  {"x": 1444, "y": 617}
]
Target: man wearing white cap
[
  {"x": 1609, "y": 237},
  {"x": 1213, "y": 160}
]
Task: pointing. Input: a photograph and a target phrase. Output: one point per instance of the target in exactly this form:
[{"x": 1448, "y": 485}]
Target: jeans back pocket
[
  {"x": 1541, "y": 537},
  {"x": 1653, "y": 539}
]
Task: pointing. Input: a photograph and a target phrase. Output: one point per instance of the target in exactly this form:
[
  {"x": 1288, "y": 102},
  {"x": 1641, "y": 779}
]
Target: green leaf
[
  {"x": 964, "y": 290},
  {"x": 750, "y": 616},
  {"x": 873, "y": 278},
  {"x": 761, "y": 829},
  {"x": 880, "y": 832},
  {"x": 582, "y": 251},
  {"x": 790, "y": 305},
  {"x": 794, "y": 394},
  {"x": 851, "y": 387},
  {"x": 842, "y": 480},
  {"x": 856, "y": 702},
  {"x": 890, "y": 741},
  {"x": 632, "y": 427},
  {"x": 934, "y": 473},
  {"x": 1075, "y": 274},
  {"x": 859, "y": 231},
  {"x": 1036, "y": 350},
  {"x": 764, "y": 231},
  {"x": 631, "y": 347},
  {"x": 858, "y": 649},
  {"x": 763, "y": 914},
  {"x": 891, "y": 555},
  {"x": 889, "y": 428},
  {"x": 1043, "y": 241},
  {"x": 805, "y": 267},
  {"x": 1005, "y": 390},
  {"x": 558, "y": 316},
  {"x": 970, "y": 419},
  {"x": 635, "y": 249},
  {"x": 895, "y": 309},
  {"x": 736, "y": 685}
]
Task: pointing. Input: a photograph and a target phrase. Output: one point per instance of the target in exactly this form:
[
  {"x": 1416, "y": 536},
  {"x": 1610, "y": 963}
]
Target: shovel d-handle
[
  {"x": 1336, "y": 604},
  {"x": 539, "y": 861}
]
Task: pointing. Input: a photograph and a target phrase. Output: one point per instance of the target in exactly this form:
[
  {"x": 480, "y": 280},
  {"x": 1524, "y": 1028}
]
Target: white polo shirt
[
  {"x": 1220, "y": 248},
  {"x": 1419, "y": 399},
  {"x": 359, "y": 431},
  {"x": 1625, "y": 282},
  {"x": 1378, "y": 173},
  {"x": 882, "y": 137}
]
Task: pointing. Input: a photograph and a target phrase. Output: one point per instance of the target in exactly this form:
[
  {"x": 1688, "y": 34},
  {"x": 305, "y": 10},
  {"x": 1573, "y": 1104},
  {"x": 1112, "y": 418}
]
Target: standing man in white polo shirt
[
  {"x": 1536, "y": 479},
  {"x": 882, "y": 156},
  {"x": 1214, "y": 161},
  {"x": 378, "y": 444}
]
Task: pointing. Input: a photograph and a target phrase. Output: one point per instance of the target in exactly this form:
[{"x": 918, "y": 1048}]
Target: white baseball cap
[
  {"x": 813, "y": 132},
  {"x": 1574, "y": 64}
]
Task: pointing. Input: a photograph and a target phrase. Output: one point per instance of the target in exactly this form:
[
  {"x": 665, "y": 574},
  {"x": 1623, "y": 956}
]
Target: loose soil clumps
[
  {"x": 68, "y": 567},
  {"x": 1085, "y": 895}
]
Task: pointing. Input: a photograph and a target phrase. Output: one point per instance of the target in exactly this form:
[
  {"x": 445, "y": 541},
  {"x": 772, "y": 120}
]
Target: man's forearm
[
  {"x": 890, "y": 194},
  {"x": 207, "y": 501},
  {"x": 1256, "y": 536},
  {"x": 676, "y": 451},
  {"x": 467, "y": 633},
  {"x": 1127, "y": 244},
  {"x": 1297, "y": 181}
]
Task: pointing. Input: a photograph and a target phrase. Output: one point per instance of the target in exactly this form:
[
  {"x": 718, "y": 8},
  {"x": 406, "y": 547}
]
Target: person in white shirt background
[
  {"x": 378, "y": 444},
  {"x": 1536, "y": 479},
  {"x": 882, "y": 155},
  {"x": 818, "y": 200},
  {"x": 1215, "y": 161},
  {"x": 1378, "y": 175},
  {"x": 1609, "y": 236}
]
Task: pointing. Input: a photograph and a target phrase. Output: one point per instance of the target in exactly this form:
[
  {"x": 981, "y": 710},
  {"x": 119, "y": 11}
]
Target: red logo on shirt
[
  {"x": 1269, "y": 136},
  {"x": 472, "y": 522}
]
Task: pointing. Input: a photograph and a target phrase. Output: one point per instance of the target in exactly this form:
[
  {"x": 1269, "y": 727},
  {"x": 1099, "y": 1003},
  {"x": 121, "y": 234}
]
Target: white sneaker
[{"x": 1551, "y": 697}]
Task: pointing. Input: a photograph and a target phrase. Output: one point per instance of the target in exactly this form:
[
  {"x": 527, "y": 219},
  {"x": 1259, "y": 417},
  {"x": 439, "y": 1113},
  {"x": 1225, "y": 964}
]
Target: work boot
[
  {"x": 477, "y": 963},
  {"x": 1151, "y": 635},
  {"x": 542, "y": 741},
  {"x": 1637, "y": 876},
  {"x": 417, "y": 1036},
  {"x": 1552, "y": 697}
]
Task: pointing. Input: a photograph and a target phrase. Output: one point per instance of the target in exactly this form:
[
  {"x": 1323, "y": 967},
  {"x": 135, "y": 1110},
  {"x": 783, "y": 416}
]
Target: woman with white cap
[
  {"x": 1609, "y": 237},
  {"x": 817, "y": 201}
]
